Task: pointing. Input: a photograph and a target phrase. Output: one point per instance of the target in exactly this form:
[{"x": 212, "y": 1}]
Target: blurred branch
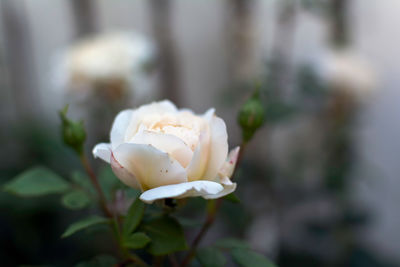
[
  {"x": 167, "y": 57},
  {"x": 85, "y": 18},
  {"x": 241, "y": 39},
  {"x": 212, "y": 209},
  {"x": 340, "y": 29},
  {"x": 19, "y": 55},
  {"x": 96, "y": 184},
  {"x": 282, "y": 53}
]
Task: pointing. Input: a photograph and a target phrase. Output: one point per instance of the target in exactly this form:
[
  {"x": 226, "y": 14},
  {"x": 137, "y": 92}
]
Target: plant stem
[
  {"x": 131, "y": 257},
  {"x": 136, "y": 259},
  {"x": 212, "y": 209},
  {"x": 95, "y": 182}
]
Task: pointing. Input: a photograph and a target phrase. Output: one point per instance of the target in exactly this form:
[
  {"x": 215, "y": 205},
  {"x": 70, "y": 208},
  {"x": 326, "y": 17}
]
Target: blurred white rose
[
  {"x": 349, "y": 73},
  {"x": 170, "y": 153},
  {"x": 119, "y": 59}
]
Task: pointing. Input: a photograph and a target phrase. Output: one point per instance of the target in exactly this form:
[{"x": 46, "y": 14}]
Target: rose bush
[{"x": 170, "y": 153}]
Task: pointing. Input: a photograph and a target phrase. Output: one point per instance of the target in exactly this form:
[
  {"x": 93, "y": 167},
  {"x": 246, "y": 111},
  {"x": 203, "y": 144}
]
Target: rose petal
[
  {"x": 228, "y": 186},
  {"x": 170, "y": 144},
  {"x": 155, "y": 108},
  {"x": 189, "y": 189},
  {"x": 118, "y": 129},
  {"x": 229, "y": 165},
  {"x": 197, "y": 165},
  {"x": 124, "y": 175},
  {"x": 218, "y": 148},
  {"x": 151, "y": 166},
  {"x": 199, "y": 160},
  {"x": 103, "y": 151}
]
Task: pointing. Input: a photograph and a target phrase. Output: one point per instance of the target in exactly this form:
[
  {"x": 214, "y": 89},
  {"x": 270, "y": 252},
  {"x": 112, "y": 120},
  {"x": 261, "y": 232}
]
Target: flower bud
[
  {"x": 73, "y": 132},
  {"x": 251, "y": 116}
]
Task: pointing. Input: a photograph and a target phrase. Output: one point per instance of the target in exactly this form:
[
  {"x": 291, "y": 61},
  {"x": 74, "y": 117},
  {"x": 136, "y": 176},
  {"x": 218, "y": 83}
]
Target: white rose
[
  {"x": 170, "y": 153},
  {"x": 118, "y": 56}
]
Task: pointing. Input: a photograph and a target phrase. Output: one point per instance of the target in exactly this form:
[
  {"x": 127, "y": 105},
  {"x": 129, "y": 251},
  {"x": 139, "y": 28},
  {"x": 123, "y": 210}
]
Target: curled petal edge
[
  {"x": 103, "y": 151},
  {"x": 228, "y": 187},
  {"x": 205, "y": 189}
]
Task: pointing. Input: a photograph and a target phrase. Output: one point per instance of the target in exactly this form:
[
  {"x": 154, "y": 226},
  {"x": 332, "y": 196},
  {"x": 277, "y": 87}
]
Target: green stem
[
  {"x": 212, "y": 208},
  {"x": 95, "y": 182},
  {"x": 103, "y": 203},
  {"x": 131, "y": 257}
]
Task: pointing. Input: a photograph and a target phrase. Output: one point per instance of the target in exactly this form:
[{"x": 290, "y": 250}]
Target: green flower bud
[
  {"x": 73, "y": 132},
  {"x": 251, "y": 116}
]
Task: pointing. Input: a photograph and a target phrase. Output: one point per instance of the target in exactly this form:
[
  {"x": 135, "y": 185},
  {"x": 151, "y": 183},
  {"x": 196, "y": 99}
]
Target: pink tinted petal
[
  {"x": 229, "y": 165},
  {"x": 124, "y": 175}
]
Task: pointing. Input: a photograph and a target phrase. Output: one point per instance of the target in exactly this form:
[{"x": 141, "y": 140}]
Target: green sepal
[{"x": 73, "y": 132}]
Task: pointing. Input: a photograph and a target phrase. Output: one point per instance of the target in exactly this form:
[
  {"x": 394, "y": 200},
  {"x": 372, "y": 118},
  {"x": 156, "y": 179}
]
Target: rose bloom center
[{"x": 183, "y": 125}]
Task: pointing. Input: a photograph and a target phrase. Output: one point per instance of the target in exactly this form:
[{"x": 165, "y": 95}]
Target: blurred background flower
[
  {"x": 112, "y": 63},
  {"x": 106, "y": 72}
]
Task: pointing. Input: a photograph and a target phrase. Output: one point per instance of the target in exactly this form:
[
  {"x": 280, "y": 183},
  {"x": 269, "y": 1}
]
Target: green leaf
[
  {"x": 82, "y": 180},
  {"x": 210, "y": 257},
  {"x": 232, "y": 198},
  {"x": 166, "y": 236},
  {"x": 38, "y": 181},
  {"x": 231, "y": 243},
  {"x": 82, "y": 224},
  {"x": 248, "y": 258},
  {"x": 136, "y": 241},
  {"x": 133, "y": 218},
  {"x": 99, "y": 261},
  {"x": 75, "y": 200}
]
